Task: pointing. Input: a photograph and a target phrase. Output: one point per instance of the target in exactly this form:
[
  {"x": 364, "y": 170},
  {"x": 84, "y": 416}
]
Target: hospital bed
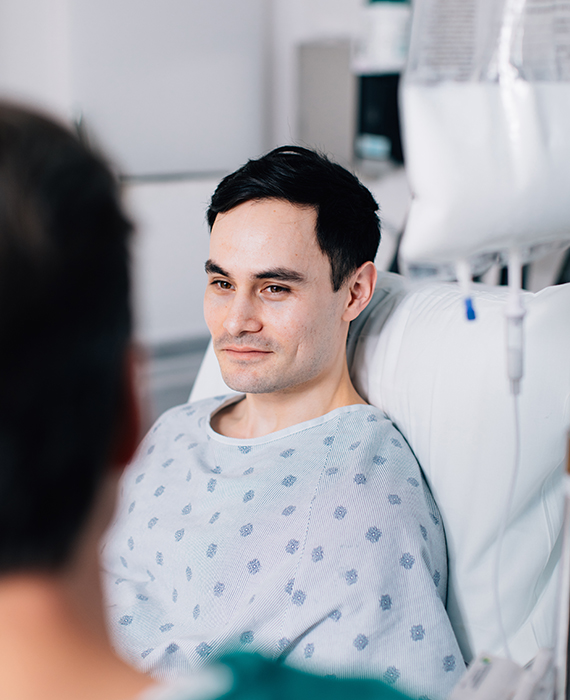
[{"x": 441, "y": 379}]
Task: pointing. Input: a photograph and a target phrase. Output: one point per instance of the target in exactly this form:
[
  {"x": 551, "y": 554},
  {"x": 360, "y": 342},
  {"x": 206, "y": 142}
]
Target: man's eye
[
  {"x": 276, "y": 289},
  {"x": 222, "y": 284}
]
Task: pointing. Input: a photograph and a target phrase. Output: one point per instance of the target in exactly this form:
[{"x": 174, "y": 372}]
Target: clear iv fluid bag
[{"x": 486, "y": 115}]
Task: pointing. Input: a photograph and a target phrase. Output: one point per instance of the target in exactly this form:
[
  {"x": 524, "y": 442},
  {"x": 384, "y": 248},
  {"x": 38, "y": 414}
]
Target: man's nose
[{"x": 243, "y": 315}]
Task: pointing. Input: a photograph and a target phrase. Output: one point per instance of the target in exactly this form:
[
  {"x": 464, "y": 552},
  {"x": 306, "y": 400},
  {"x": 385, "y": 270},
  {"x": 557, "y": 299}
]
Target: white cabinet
[{"x": 170, "y": 86}]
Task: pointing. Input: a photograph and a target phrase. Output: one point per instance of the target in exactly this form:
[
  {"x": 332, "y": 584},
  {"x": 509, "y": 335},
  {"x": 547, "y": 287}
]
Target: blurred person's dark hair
[
  {"x": 348, "y": 229},
  {"x": 65, "y": 324}
]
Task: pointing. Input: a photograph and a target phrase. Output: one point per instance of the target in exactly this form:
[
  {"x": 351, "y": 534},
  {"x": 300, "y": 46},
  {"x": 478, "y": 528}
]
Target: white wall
[
  {"x": 34, "y": 53},
  {"x": 171, "y": 86}
]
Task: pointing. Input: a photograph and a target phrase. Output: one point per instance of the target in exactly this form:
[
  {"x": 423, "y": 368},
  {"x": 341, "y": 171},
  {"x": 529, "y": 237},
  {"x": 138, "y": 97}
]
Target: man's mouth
[{"x": 244, "y": 351}]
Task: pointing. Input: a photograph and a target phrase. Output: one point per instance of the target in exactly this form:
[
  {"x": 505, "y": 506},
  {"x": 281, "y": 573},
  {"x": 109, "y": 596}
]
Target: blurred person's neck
[
  {"x": 53, "y": 649},
  {"x": 53, "y": 639}
]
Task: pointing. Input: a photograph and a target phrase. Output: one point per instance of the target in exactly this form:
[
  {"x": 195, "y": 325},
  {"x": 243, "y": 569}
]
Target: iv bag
[{"x": 486, "y": 120}]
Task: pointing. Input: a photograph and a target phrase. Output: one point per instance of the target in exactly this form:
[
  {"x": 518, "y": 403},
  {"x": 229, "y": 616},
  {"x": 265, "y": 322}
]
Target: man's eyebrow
[
  {"x": 213, "y": 269},
  {"x": 283, "y": 274}
]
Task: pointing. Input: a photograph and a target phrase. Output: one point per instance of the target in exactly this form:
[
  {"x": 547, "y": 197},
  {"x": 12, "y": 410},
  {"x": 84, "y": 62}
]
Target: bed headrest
[{"x": 442, "y": 380}]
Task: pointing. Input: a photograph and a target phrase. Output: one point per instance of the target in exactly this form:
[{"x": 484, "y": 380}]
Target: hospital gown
[{"x": 319, "y": 545}]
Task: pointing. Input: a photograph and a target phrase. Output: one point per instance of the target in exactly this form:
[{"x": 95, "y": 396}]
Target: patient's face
[{"x": 275, "y": 321}]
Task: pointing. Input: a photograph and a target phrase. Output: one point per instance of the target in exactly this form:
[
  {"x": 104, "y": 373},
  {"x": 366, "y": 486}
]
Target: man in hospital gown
[{"x": 293, "y": 518}]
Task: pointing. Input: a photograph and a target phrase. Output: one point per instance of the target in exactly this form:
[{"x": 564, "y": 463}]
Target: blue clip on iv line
[
  {"x": 469, "y": 309},
  {"x": 464, "y": 278}
]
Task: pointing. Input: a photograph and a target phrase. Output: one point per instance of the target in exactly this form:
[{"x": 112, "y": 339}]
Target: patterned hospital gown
[{"x": 319, "y": 545}]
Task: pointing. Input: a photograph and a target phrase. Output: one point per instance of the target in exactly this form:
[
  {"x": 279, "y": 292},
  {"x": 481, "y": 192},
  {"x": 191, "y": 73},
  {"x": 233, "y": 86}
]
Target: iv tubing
[
  {"x": 514, "y": 313},
  {"x": 561, "y": 622},
  {"x": 503, "y": 527}
]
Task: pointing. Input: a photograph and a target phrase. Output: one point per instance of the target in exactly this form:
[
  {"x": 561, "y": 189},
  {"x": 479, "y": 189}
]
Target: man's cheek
[{"x": 213, "y": 313}]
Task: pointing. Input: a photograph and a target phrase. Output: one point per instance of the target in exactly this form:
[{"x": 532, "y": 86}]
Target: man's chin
[
  {"x": 249, "y": 385},
  {"x": 248, "y": 388}
]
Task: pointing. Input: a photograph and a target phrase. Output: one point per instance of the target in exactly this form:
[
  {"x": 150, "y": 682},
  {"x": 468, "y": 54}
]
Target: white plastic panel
[{"x": 170, "y": 86}]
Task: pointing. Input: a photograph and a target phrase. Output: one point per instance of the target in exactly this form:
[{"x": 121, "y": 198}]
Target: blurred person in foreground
[{"x": 69, "y": 422}]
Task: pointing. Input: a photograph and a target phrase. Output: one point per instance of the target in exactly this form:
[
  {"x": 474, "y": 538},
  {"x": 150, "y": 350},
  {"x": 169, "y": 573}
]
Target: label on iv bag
[
  {"x": 488, "y": 166},
  {"x": 464, "y": 40},
  {"x": 443, "y": 41}
]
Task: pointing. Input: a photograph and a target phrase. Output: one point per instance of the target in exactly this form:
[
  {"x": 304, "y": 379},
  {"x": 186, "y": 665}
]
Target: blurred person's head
[{"x": 65, "y": 324}]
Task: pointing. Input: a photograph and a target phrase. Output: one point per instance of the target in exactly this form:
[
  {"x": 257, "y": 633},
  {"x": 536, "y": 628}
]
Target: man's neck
[
  {"x": 48, "y": 650},
  {"x": 261, "y": 414}
]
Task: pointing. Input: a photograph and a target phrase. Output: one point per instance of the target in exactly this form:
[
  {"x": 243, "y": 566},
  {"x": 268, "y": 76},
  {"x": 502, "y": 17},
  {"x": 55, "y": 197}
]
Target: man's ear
[
  {"x": 360, "y": 290},
  {"x": 127, "y": 433}
]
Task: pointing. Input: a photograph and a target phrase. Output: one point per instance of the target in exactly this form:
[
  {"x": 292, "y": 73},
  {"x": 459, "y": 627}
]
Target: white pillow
[{"x": 442, "y": 381}]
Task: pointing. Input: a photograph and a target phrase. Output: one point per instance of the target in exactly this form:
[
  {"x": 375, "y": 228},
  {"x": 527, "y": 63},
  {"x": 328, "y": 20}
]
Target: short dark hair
[
  {"x": 65, "y": 324},
  {"x": 348, "y": 229}
]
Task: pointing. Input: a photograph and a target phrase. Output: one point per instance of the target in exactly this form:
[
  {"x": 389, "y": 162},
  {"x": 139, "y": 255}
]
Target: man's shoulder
[
  {"x": 372, "y": 438},
  {"x": 174, "y": 433},
  {"x": 366, "y": 417},
  {"x": 191, "y": 412},
  {"x": 185, "y": 420},
  {"x": 371, "y": 425}
]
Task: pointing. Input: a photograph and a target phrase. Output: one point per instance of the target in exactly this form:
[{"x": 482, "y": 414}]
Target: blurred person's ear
[{"x": 128, "y": 427}]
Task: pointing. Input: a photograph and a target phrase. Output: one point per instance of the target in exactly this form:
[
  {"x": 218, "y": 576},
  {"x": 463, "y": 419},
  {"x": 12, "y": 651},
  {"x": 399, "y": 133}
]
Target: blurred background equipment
[{"x": 379, "y": 59}]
